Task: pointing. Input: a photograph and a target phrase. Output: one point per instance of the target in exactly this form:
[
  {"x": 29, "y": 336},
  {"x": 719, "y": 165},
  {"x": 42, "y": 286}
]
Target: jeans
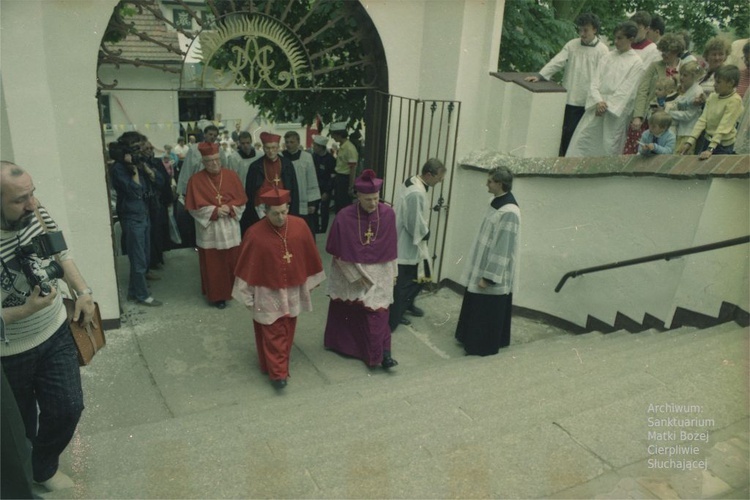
[
  {"x": 138, "y": 246},
  {"x": 47, "y": 376}
]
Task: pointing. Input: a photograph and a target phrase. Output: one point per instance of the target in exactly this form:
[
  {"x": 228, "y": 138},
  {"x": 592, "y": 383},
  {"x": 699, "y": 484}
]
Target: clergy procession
[{"x": 254, "y": 221}]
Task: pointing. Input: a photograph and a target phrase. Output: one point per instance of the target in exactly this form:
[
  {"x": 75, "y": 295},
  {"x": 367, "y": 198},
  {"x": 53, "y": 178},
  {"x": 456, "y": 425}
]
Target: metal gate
[{"x": 412, "y": 131}]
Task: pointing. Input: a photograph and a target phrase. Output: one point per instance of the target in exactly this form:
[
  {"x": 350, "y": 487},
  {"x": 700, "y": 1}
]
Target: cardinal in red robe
[
  {"x": 216, "y": 200},
  {"x": 277, "y": 268}
]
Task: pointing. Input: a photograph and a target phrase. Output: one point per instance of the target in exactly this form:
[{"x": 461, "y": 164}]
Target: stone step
[{"x": 528, "y": 376}]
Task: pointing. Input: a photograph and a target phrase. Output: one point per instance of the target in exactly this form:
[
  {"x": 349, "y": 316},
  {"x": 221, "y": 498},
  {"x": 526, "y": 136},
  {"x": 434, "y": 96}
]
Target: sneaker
[{"x": 150, "y": 302}]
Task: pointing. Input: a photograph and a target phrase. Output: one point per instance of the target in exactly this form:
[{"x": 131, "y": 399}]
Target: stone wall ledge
[{"x": 670, "y": 166}]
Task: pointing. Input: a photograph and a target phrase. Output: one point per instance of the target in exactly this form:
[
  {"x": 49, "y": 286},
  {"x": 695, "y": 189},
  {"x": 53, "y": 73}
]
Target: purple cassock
[{"x": 364, "y": 250}]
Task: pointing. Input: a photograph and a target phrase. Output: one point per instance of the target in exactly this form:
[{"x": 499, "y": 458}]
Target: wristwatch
[
  {"x": 710, "y": 149},
  {"x": 86, "y": 291}
]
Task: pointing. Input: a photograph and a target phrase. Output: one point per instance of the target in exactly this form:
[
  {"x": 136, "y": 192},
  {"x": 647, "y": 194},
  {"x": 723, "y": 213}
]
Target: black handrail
[{"x": 651, "y": 258}]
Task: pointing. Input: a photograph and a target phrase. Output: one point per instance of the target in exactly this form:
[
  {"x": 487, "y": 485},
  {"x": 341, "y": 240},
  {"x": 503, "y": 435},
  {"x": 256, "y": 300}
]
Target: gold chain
[
  {"x": 276, "y": 179},
  {"x": 218, "y": 190},
  {"x": 369, "y": 234},
  {"x": 287, "y": 256}
]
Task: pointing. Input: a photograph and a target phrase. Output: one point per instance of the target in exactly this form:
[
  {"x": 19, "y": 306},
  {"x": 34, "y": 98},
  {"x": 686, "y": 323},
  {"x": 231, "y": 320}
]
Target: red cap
[
  {"x": 367, "y": 182},
  {"x": 208, "y": 149},
  {"x": 266, "y": 137},
  {"x": 275, "y": 197}
]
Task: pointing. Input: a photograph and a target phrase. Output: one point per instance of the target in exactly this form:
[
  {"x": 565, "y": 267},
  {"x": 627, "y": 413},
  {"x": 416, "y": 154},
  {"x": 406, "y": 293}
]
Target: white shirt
[{"x": 580, "y": 63}]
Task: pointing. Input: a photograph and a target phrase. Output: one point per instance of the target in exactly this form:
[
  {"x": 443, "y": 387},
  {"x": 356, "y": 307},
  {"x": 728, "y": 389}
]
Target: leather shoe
[
  {"x": 221, "y": 304},
  {"x": 415, "y": 311},
  {"x": 404, "y": 321},
  {"x": 278, "y": 384},
  {"x": 152, "y": 277},
  {"x": 388, "y": 362}
]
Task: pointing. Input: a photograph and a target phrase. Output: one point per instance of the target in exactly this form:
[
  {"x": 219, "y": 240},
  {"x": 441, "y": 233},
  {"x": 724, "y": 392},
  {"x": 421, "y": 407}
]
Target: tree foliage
[{"x": 534, "y": 30}]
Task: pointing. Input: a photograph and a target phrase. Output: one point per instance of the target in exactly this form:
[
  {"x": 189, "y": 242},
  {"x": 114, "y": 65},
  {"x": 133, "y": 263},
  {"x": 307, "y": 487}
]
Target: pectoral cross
[
  {"x": 276, "y": 180},
  {"x": 369, "y": 234},
  {"x": 219, "y": 198},
  {"x": 287, "y": 257}
]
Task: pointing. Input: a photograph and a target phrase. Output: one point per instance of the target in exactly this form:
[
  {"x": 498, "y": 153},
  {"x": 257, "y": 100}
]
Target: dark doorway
[{"x": 194, "y": 105}]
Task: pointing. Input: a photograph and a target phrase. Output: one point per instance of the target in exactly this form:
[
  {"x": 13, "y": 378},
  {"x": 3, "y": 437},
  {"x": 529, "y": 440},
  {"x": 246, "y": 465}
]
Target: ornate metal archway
[{"x": 253, "y": 45}]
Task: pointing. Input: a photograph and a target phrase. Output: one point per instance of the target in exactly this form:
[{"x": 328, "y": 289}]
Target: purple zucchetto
[{"x": 367, "y": 182}]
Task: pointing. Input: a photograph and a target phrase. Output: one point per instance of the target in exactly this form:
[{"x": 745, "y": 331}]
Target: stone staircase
[{"x": 554, "y": 415}]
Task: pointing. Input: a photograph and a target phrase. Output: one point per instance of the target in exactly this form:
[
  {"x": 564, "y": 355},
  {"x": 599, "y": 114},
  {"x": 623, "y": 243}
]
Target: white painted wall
[
  {"x": 573, "y": 223},
  {"x": 49, "y": 53}
]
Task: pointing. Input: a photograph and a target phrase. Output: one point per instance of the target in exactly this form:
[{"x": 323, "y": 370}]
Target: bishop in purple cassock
[{"x": 362, "y": 242}]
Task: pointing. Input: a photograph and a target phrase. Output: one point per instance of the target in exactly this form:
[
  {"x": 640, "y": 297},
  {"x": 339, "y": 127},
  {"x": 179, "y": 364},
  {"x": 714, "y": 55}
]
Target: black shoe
[
  {"x": 404, "y": 321},
  {"x": 415, "y": 311},
  {"x": 278, "y": 384},
  {"x": 221, "y": 304},
  {"x": 388, "y": 362}
]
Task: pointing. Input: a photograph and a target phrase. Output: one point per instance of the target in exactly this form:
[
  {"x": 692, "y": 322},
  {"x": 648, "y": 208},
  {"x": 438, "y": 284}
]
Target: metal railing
[{"x": 650, "y": 258}]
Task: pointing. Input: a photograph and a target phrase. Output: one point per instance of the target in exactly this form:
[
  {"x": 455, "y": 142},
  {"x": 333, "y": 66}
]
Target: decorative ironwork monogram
[{"x": 251, "y": 40}]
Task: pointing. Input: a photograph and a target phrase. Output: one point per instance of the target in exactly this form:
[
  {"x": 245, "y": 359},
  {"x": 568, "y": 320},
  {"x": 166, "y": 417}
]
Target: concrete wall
[
  {"x": 49, "y": 53},
  {"x": 443, "y": 49},
  {"x": 573, "y": 223}
]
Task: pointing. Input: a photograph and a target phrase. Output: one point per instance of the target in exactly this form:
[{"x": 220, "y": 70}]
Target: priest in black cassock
[
  {"x": 489, "y": 276},
  {"x": 271, "y": 171}
]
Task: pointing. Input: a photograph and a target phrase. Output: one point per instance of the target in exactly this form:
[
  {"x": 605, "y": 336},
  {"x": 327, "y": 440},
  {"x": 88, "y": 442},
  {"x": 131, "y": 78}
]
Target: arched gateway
[{"x": 282, "y": 54}]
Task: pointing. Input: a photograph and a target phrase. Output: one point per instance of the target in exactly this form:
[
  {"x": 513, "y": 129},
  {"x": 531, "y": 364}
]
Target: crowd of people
[{"x": 650, "y": 94}]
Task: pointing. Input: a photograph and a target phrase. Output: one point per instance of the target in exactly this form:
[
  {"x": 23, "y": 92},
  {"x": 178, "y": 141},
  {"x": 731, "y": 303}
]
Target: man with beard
[
  {"x": 38, "y": 355},
  {"x": 271, "y": 171}
]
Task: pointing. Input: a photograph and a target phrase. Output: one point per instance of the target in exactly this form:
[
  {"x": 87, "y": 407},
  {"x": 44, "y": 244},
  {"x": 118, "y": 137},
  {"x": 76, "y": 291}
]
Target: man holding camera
[{"x": 37, "y": 352}]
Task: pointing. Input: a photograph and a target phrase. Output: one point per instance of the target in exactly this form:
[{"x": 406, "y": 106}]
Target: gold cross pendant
[
  {"x": 276, "y": 180},
  {"x": 219, "y": 197},
  {"x": 369, "y": 234},
  {"x": 287, "y": 257}
]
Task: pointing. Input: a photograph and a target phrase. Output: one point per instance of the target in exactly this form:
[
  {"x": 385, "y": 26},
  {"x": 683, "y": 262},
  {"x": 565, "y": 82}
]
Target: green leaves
[{"x": 534, "y": 31}]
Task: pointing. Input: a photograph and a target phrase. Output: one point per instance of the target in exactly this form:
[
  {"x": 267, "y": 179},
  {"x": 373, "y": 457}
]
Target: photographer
[
  {"x": 133, "y": 181},
  {"x": 37, "y": 351}
]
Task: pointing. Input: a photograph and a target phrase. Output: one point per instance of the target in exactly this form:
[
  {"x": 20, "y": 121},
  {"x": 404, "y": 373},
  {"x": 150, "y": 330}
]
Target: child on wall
[
  {"x": 719, "y": 118},
  {"x": 686, "y": 111},
  {"x": 658, "y": 139},
  {"x": 580, "y": 59},
  {"x": 601, "y": 131},
  {"x": 665, "y": 95}
]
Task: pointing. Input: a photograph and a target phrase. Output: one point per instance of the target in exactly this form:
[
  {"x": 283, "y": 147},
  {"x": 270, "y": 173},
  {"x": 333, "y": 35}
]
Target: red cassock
[
  {"x": 218, "y": 244},
  {"x": 261, "y": 263}
]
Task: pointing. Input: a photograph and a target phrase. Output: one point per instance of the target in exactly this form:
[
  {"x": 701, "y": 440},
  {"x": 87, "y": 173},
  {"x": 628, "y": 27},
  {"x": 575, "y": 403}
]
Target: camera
[
  {"x": 118, "y": 150},
  {"x": 42, "y": 246}
]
